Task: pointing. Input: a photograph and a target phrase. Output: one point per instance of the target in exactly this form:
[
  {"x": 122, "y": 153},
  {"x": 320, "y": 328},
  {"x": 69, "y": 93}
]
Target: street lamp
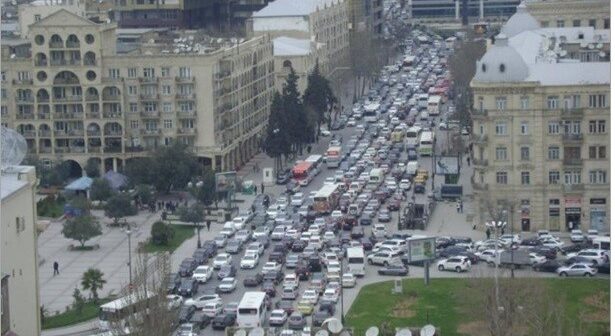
[
  {"x": 496, "y": 226},
  {"x": 129, "y": 233},
  {"x": 342, "y": 291}
]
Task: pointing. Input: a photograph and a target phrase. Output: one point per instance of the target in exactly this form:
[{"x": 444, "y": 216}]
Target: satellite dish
[
  {"x": 602, "y": 54},
  {"x": 404, "y": 332},
  {"x": 334, "y": 325},
  {"x": 322, "y": 332},
  {"x": 590, "y": 46},
  {"x": 583, "y": 45},
  {"x": 258, "y": 331},
  {"x": 563, "y": 53},
  {"x": 14, "y": 147},
  {"x": 240, "y": 332},
  {"x": 372, "y": 331},
  {"x": 428, "y": 330},
  {"x": 599, "y": 45}
]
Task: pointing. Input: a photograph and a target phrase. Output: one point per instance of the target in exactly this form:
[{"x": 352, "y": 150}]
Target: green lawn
[
  {"x": 454, "y": 305},
  {"x": 70, "y": 317},
  {"x": 181, "y": 233}
]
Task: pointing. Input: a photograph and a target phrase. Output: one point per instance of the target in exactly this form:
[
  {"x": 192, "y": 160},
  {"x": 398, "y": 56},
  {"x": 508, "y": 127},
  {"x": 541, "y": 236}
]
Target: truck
[
  {"x": 511, "y": 258},
  {"x": 449, "y": 191}
]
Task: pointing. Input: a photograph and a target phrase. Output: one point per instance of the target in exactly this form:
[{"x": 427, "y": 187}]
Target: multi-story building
[
  {"x": 78, "y": 98},
  {"x": 39, "y": 9},
  {"x": 438, "y": 10},
  {"x": 323, "y": 24},
  {"x": 365, "y": 15},
  {"x": 298, "y": 54},
  {"x": 571, "y": 13},
  {"x": 541, "y": 127},
  {"x": 18, "y": 251}
]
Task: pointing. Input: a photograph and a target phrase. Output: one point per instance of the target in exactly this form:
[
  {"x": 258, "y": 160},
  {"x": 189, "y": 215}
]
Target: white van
[{"x": 412, "y": 167}]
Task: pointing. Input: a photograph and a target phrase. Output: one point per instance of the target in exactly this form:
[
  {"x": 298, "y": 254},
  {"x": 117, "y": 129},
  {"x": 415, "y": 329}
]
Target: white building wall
[{"x": 270, "y": 24}]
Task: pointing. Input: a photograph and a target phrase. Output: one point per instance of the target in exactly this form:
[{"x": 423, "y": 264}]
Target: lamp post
[
  {"x": 496, "y": 226},
  {"x": 342, "y": 291},
  {"x": 129, "y": 233}
]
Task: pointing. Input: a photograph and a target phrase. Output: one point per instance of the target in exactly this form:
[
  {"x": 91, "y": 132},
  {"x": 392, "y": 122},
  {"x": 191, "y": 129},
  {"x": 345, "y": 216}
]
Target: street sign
[
  {"x": 421, "y": 249},
  {"x": 225, "y": 182}
]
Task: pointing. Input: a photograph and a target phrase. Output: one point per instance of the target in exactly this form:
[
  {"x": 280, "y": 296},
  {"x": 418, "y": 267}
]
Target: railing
[
  {"x": 113, "y": 149},
  {"x": 568, "y": 137},
  {"x": 112, "y": 115},
  {"x": 65, "y": 81},
  {"x": 92, "y": 97},
  {"x": 72, "y": 45},
  {"x": 573, "y": 162},
  {"x": 134, "y": 149},
  {"x": 44, "y": 149},
  {"x": 22, "y": 81},
  {"x": 154, "y": 96},
  {"x": 113, "y": 133},
  {"x": 186, "y": 114},
  {"x": 186, "y": 131},
  {"x": 59, "y": 62},
  {"x": 74, "y": 98},
  {"x": 148, "y": 79},
  {"x": 44, "y": 116},
  {"x": 29, "y": 134},
  {"x": 76, "y": 132},
  {"x": 77, "y": 149},
  {"x": 183, "y": 79},
  {"x": 156, "y": 131},
  {"x": 189, "y": 96},
  {"x": 60, "y": 150},
  {"x": 572, "y": 112},
  {"x": 93, "y": 149},
  {"x": 150, "y": 114},
  {"x": 111, "y": 97},
  {"x": 572, "y": 188},
  {"x": 479, "y": 162},
  {"x": 482, "y": 112},
  {"x": 24, "y": 116},
  {"x": 44, "y": 133},
  {"x": 24, "y": 100},
  {"x": 56, "y": 45},
  {"x": 89, "y": 62},
  {"x": 93, "y": 115},
  {"x": 74, "y": 62},
  {"x": 67, "y": 115},
  {"x": 42, "y": 99},
  {"x": 40, "y": 63},
  {"x": 93, "y": 133}
]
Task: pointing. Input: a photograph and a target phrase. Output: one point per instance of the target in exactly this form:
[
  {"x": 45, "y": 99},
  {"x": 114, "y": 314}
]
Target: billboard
[
  {"x": 225, "y": 182},
  {"x": 421, "y": 249}
]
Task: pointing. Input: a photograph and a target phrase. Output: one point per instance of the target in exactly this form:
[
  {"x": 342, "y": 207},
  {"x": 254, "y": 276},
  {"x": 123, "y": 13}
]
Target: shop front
[
  {"x": 572, "y": 212},
  {"x": 554, "y": 215},
  {"x": 597, "y": 214}
]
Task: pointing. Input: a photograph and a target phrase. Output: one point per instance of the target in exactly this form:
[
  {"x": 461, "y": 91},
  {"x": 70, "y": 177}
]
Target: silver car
[{"x": 576, "y": 270}]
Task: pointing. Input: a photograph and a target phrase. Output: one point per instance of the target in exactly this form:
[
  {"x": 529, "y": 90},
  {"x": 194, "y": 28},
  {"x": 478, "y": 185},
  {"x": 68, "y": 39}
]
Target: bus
[
  {"x": 317, "y": 161},
  {"x": 251, "y": 310},
  {"x": 412, "y": 136},
  {"x": 334, "y": 156},
  {"x": 303, "y": 173},
  {"x": 426, "y": 144},
  {"x": 124, "y": 310},
  {"x": 433, "y": 105},
  {"x": 370, "y": 112},
  {"x": 356, "y": 261},
  {"x": 327, "y": 198}
]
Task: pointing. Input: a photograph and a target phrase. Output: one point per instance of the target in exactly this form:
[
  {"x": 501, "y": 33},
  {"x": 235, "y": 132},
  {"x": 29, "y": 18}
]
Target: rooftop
[
  {"x": 288, "y": 46},
  {"x": 10, "y": 181},
  {"x": 292, "y": 7}
]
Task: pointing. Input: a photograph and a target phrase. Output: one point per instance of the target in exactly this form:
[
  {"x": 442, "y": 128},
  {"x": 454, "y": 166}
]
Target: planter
[{"x": 72, "y": 247}]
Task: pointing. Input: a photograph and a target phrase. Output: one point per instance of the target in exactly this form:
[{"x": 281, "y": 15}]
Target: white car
[
  {"x": 271, "y": 266},
  {"x": 404, "y": 184},
  {"x": 201, "y": 301},
  {"x": 255, "y": 247},
  {"x": 278, "y": 317},
  {"x": 249, "y": 261},
  {"x": 552, "y": 243},
  {"x": 598, "y": 257},
  {"x": 278, "y": 232},
  {"x": 222, "y": 259},
  {"x": 509, "y": 239},
  {"x": 293, "y": 233},
  {"x": 334, "y": 266},
  {"x": 325, "y": 132},
  {"x": 457, "y": 264},
  {"x": 174, "y": 301},
  {"x": 487, "y": 255},
  {"x": 227, "y": 285},
  {"x": 329, "y": 235},
  {"x": 382, "y": 258},
  {"x": 291, "y": 280},
  {"x": 576, "y": 236},
  {"x": 330, "y": 295},
  {"x": 348, "y": 280},
  {"x": 272, "y": 211},
  {"x": 240, "y": 222},
  {"x": 536, "y": 258},
  {"x": 591, "y": 234},
  {"x": 261, "y": 231},
  {"x": 212, "y": 309},
  {"x": 336, "y": 214},
  {"x": 379, "y": 231},
  {"x": 329, "y": 180},
  {"x": 576, "y": 270},
  {"x": 297, "y": 200},
  {"x": 310, "y": 295},
  {"x": 202, "y": 274}
]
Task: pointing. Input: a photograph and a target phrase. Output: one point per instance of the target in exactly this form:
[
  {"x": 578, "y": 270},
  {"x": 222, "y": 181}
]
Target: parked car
[
  {"x": 576, "y": 236},
  {"x": 457, "y": 264},
  {"x": 576, "y": 270},
  {"x": 202, "y": 273},
  {"x": 202, "y": 300},
  {"x": 547, "y": 266},
  {"x": 348, "y": 280},
  {"x": 188, "y": 287},
  {"x": 227, "y": 285},
  {"x": 396, "y": 270},
  {"x": 222, "y": 259},
  {"x": 249, "y": 261},
  {"x": 381, "y": 258},
  {"x": 185, "y": 313},
  {"x": 227, "y": 271}
]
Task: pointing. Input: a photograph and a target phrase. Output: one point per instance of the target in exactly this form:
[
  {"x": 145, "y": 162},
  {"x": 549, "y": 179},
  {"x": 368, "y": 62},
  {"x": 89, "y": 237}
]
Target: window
[
  {"x": 525, "y": 103},
  {"x": 544, "y": 24},
  {"x": 23, "y": 75},
  {"x": 571, "y": 127},
  {"x": 134, "y": 107},
  {"x": 572, "y": 101},
  {"x": 168, "y": 123},
  {"x": 132, "y": 72},
  {"x": 592, "y": 23},
  {"x": 576, "y": 23},
  {"x": 185, "y": 90},
  {"x": 114, "y": 73},
  {"x": 37, "y": 17},
  {"x": 165, "y": 72},
  {"x": 552, "y": 102},
  {"x": 553, "y": 177},
  {"x": 149, "y": 72},
  {"x": 166, "y": 90},
  {"x": 560, "y": 23},
  {"x": 501, "y": 178},
  {"x": 597, "y": 152},
  {"x": 572, "y": 153},
  {"x": 149, "y": 107},
  {"x": 598, "y": 100},
  {"x": 607, "y": 23},
  {"x": 500, "y": 103},
  {"x": 185, "y": 72},
  {"x": 500, "y": 128},
  {"x": 525, "y": 178},
  {"x": 3, "y": 75},
  {"x": 132, "y": 90},
  {"x": 134, "y": 124},
  {"x": 553, "y": 153},
  {"x": 186, "y": 106},
  {"x": 597, "y": 126},
  {"x": 167, "y": 107},
  {"x": 525, "y": 128},
  {"x": 553, "y": 127},
  {"x": 481, "y": 104},
  {"x": 597, "y": 176},
  {"x": 151, "y": 125},
  {"x": 20, "y": 224},
  {"x": 525, "y": 153},
  {"x": 188, "y": 123},
  {"x": 572, "y": 177},
  {"x": 501, "y": 154}
]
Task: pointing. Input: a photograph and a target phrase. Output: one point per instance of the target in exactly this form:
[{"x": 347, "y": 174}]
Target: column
[
  {"x": 409, "y": 6},
  {"x": 114, "y": 160},
  {"x": 482, "y": 9},
  {"x": 456, "y": 9}
]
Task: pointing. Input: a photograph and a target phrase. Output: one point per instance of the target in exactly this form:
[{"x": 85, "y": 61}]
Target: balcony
[
  {"x": 66, "y": 81},
  {"x": 479, "y": 113},
  {"x": 44, "y": 149},
  {"x": 44, "y": 133},
  {"x": 29, "y": 134},
  {"x": 113, "y": 133},
  {"x": 150, "y": 96},
  {"x": 479, "y": 162},
  {"x": 76, "y": 149},
  {"x": 25, "y": 116},
  {"x": 113, "y": 149},
  {"x": 93, "y": 149},
  {"x": 92, "y": 97},
  {"x": 44, "y": 116},
  {"x": 186, "y": 114},
  {"x": 75, "y": 98},
  {"x": 182, "y": 79},
  {"x": 93, "y": 133},
  {"x": 40, "y": 63},
  {"x": 185, "y": 96},
  {"x": 72, "y": 45},
  {"x": 58, "y": 62},
  {"x": 573, "y": 188},
  {"x": 112, "y": 115},
  {"x": 570, "y": 138},
  {"x": 108, "y": 97},
  {"x": 133, "y": 149},
  {"x": 93, "y": 115},
  {"x": 111, "y": 79},
  {"x": 75, "y": 132},
  {"x": 56, "y": 45},
  {"x": 67, "y": 115},
  {"x": 42, "y": 99},
  {"x": 150, "y": 114},
  {"x": 60, "y": 150},
  {"x": 572, "y": 113},
  {"x": 22, "y": 82},
  {"x": 223, "y": 74},
  {"x": 151, "y": 132},
  {"x": 573, "y": 162},
  {"x": 89, "y": 62},
  {"x": 187, "y": 131},
  {"x": 24, "y": 100},
  {"x": 148, "y": 79}
]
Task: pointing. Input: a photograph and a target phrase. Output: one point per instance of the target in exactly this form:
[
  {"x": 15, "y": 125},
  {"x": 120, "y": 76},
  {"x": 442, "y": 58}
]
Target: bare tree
[
  {"x": 368, "y": 54},
  {"x": 149, "y": 286}
]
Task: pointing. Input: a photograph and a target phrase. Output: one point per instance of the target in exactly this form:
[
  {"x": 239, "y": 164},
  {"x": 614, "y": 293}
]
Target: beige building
[
  {"x": 365, "y": 15},
  {"x": 79, "y": 98},
  {"x": 19, "y": 249},
  {"x": 321, "y": 23},
  {"x": 571, "y": 13},
  {"x": 300, "y": 54},
  {"x": 37, "y": 10},
  {"x": 541, "y": 121}
]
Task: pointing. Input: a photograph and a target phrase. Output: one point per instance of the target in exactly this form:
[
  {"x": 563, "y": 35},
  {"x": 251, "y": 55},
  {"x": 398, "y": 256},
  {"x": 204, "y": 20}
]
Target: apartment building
[
  {"x": 438, "y": 10},
  {"x": 39, "y": 9},
  {"x": 571, "y": 13},
  {"x": 18, "y": 251},
  {"x": 365, "y": 15},
  {"x": 298, "y": 54},
  {"x": 541, "y": 121},
  {"x": 78, "y": 98},
  {"x": 323, "y": 24}
]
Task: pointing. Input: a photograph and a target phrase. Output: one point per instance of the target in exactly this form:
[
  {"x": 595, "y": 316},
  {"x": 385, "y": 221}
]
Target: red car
[{"x": 394, "y": 204}]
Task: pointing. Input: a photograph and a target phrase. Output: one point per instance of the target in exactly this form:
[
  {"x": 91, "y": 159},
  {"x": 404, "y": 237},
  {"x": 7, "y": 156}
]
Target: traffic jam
[{"x": 288, "y": 262}]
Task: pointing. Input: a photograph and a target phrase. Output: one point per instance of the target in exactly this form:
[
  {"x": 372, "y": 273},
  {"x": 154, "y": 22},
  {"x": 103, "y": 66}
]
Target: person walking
[
  {"x": 468, "y": 160},
  {"x": 262, "y": 188},
  {"x": 488, "y": 233},
  {"x": 461, "y": 206},
  {"x": 208, "y": 223},
  {"x": 458, "y": 207},
  {"x": 56, "y": 268}
]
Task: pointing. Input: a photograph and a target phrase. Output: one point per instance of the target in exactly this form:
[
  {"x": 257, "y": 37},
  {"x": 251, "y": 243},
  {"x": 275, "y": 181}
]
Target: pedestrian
[
  {"x": 468, "y": 160},
  {"x": 208, "y": 223},
  {"x": 461, "y": 206},
  {"x": 56, "y": 268},
  {"x": 262, "y": 188},
  {"x": 458, "y": 207},
  {"x": 309, "y": 149},
  {"x": 255, "y": 189},
  {"x": 502, "y": 233},
  {"x": 570, "y": 226},
  {"x": 488, "y": 233}
]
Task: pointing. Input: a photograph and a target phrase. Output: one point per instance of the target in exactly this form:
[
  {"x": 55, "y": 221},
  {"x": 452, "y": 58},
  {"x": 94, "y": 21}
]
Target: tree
[
  {"x": 81, "y": 229},
  {"x": 204, "y": 190},
  {"x": 173, "y": 166},
  {"x": 144, "y": 193},
  {"x": 78, "y": 301},
  {"x": 193, "y": 214},
  {"x": 92, "y": 168},
  {"x": 297, "y": 123},
  {"x": 92, "y": 280},
  {"x": 161, "y": 233},
  {"x": 139, "y": 170},
  {"x": 277, "y": 139},
  {"x": 318, "y": 96},
  {"x": 101, "y": 190},
  {"x": 367, "y": 65},
  {"x": 119, "y": 206}
]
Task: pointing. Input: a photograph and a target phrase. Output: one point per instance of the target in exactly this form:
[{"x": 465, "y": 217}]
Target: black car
[
  {"x": 279, "y": 257},
  {"x": 269, "y": 288},
  {"x": 302, "y": 270},
  {"x": 188, "y": 287},
  {"x": 604, "y": 268},
  {"x": 233, "y": 246},
  {"x": 186, "y": 313},
  {"x": 444, "y": 242},
  {"x": 313, "y": 264},
  {"x": 200, "y": 256},
  {"x": 365, "y": 219},
  {"x": 187, "y": 267},
  {"x": 298, "y": 245},
  {"x": 173, "y": 281},
  {"x": 319, "y": 317},
  {"x": 452, "y": 251},
  {"x": 393, "y": 270},
  {"x": 282, "y": 177},
  {"x": 328, "y": 307},
  {"x": 200, "y": 319},
  {"x": 547, "y": 266},
  {"x": 222, "y": 321},
  {"x": 263, "y": 240},
  {"x": 286, "y": 305},
  {"x": 227, "y": 271},
  {"x": 273, "y": 276},
  {"x": 357, "y": 232},
  {"x": 345, "y": 237},
  {"x": 576, "y": 247},
  {"x": 412, "y": 156},
  {"x": 546, "y": 251},
  {"x": 531, "y": 242},
  {"x": 253, "y": 280},
  {"x": 419, "y": 188}
]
